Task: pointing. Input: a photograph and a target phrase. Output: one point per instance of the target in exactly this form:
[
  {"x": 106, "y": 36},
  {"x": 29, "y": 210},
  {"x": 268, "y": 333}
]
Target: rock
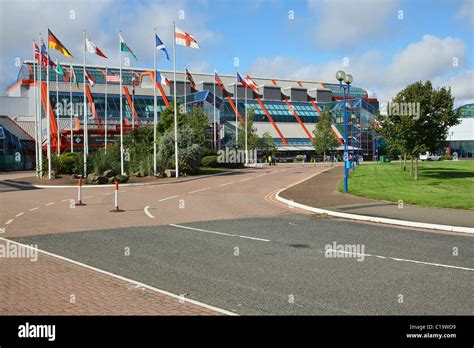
[
  {"x": 112, "y": 180},
  {"x": 91, "y": 178},
  {"x": 75, "y": 176},
  {"x": 122, "y": 178},
  {"x": 53, "y": 174},
  {"x": 170, "y": 173},
  {"x": 137, "y": 174},
  {"x": 101, "y": 180},
  {"x": 108, "y": 173}
]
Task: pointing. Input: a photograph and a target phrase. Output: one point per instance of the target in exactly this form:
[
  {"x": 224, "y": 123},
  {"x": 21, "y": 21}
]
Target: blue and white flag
[
  {"x": 162, "y": 80},
  {"x": 161, "y": 46}
]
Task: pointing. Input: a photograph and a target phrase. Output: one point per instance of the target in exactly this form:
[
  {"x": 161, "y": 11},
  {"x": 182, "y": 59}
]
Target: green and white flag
[
  {"x": 60, "y": 71},
  {"x": 124, "y": 47}
]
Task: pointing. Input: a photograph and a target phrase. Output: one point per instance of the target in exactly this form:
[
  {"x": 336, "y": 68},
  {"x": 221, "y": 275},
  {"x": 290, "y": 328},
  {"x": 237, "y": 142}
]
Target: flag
[
  {"x": 37, "y": 51},
  {"x": 161, "y": 46},
  {"x": 57, "y": 45},
  {"x": 190, "y": 79},
  {"x": 162, "y": 80},
  {"x": 92, "y": 48},
  {"x": 90, "y": 79},
  {"x": 112, "y": 78},
  {"x": 72, "y": 76},
  {"x": 218, "y": 80},
  {"x": 45, "y": 57},
  {"x": 184, "y": 39},
  {"x": 133, "y": 83},
  {"x": 125, "y": 48},
  {"x": 60, "y": 71},
  {"x": 242, "y": 80},
  {"x": 251, "y": 83}
]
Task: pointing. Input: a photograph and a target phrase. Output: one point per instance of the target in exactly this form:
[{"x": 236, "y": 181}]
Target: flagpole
[
  {"x": 155, "y": 116},
  {"x": 105, "y": 122},
  {"x": 214, "y": 118},
  {"x": 175, "y": 106},
  {"x": 71, "y": 107},
  {"x": 85, "y": 142},
  {"x": 57, "y": 106},
  {"x": 40, "y": 118},
  {"x": 48, "y": 120},
  {"x": 246, "y": 127},
  {"x": 35, "y": 106},
  {"x": 121, "y": 112},
  {"x": 185, "y": 91},
  {"x": 133, "y": 99},
  {"x": 236, "y": 113}
]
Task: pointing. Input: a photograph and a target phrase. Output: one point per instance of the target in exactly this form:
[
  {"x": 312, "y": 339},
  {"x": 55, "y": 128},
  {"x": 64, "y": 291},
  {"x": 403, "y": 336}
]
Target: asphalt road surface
[{"x": 222, "y": 241}]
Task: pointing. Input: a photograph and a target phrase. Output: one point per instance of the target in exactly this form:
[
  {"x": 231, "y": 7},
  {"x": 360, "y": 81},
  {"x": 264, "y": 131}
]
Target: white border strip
[
  {"x": 366, "y": 217},
  {"x": 113, "y": 275}
]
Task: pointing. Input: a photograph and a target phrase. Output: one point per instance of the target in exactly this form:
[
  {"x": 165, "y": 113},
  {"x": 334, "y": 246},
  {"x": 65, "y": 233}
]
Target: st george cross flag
[
  {"x": 90, "y": 79},
  {"x": 161, "y": 46},
  {"x": 162, "y": 80},
  {"x": 185, "y": 39},
  {"x": 92, "y": 48},
  {"x": 124, "y": 47}
]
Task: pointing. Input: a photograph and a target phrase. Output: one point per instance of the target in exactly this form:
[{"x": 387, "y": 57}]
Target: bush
[
  {"x": 68, "y": 161},
  {"x": 445, "y": 158},
  {"x": 210, "y": 161}
]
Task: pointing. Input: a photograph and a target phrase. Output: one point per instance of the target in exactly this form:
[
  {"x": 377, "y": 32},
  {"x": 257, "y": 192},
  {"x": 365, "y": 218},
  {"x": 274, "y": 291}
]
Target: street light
[
  {"x": 353, "y": 118},
  {"x": 345, "y": 89}
]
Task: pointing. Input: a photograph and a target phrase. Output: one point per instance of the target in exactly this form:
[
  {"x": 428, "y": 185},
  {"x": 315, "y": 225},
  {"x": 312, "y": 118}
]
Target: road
[{"x": 224, "y": 241}]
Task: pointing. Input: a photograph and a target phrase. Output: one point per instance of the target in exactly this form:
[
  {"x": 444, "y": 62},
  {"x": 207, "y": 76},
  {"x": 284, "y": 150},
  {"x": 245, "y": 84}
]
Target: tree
[
  {"x": 267, "y": 145},
  {"x": 324, "y": 137},
  {"x": 426, "y": 130},
  {"x": 189, "y": 154},
  {"x": 252, "y": 137}
]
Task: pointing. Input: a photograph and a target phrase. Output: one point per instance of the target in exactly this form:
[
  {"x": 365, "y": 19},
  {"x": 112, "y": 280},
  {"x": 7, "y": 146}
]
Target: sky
[{"x": 384, "y": 44}]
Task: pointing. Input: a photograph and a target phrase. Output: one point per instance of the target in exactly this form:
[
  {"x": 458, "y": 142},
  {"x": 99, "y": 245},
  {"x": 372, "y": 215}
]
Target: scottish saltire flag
[
  {"x": 161, "y": 46},
  {"x": 185, "y": 39},
  {"x": 124, "y": 47},
  {"x": 162, "y": 80}
]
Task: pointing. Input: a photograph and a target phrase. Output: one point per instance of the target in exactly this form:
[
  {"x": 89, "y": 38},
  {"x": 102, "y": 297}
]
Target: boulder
[
  {"x": 91, "y": 178},
  {"x": 122, "y": 178},
  {"x": 108, "y": 173},
  {"x": 101, "y": 180},
  {"x": 170, "y": 173}
]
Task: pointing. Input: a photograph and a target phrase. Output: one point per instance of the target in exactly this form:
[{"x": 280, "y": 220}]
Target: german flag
[{"x": 57, "y": 45}]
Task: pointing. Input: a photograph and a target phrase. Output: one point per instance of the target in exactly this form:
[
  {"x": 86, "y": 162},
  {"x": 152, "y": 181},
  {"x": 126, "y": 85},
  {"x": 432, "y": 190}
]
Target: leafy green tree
[
  {"x": 267, "y": 145},
  {"x": 189, "y": 154},
  {"x": 426, "y": 131},
  {"x": 324, "y": 138},
  {"x": 252, "y": 137}
]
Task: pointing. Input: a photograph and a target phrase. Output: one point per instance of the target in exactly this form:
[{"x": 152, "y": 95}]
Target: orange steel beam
[
  {"x": 76, "y": 121},
  {"x": 132, "y": 107},
  {"x": 292, "y": 109},
  {"x": 52, "y": 121},
  {"x": 160, "y": 88},
  {"x": 91, "y": 103},
  {"x": 235, "y": 109},
  {"x": 272, "y": 121}
]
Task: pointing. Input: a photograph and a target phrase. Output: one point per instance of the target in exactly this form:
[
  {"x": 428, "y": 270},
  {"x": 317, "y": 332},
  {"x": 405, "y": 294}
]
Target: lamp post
[
  {"x": 342, "y": 76},
  {"x": 353, "y": 119}
]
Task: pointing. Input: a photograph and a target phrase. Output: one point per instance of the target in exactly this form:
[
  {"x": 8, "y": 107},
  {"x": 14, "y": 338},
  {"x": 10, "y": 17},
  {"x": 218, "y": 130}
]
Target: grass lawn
[{"x": 440, "y": 184}]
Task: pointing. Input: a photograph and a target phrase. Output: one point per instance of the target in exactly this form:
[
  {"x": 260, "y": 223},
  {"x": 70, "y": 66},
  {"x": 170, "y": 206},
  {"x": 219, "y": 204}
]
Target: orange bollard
[{"x": 117, "y": 209}]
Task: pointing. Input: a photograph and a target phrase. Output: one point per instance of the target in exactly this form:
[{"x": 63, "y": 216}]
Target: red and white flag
[
  {"x": 185, "y": 39},
  {"x": 90, "y": 79},
  {"x": 92, "y": 48},
  {"x": 251, "y": 83}
]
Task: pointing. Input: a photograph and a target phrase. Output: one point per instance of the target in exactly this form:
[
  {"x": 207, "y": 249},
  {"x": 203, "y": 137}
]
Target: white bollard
[
  {"x": 79, "y": 192},
  {"x": 117, "y": 209}
]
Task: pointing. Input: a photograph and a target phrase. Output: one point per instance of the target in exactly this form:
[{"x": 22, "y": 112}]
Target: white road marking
[
  {"x": 33, "y": 209},
  {"x": 147, "y": 212},
  {"x": 9, "y": 222},
  {"x": 203, "y": 189},
  {"x": 227, "y": 183},
  {"x": 261, "y": 175},
  {"x": 128, "y": 280},
  {"x": 108, "y": 193},
  {"x": 51, "y": 203},
  {"x": 19, "y": 214},
  {"x": 88, "y": 197},
  {"x": 220, "y": 233},
  {"x": 164, "y": 199},
  {"x": 245, "y": 179},
  {"x": 66, "y": 200},
  {"x": 404, "y": 260}
]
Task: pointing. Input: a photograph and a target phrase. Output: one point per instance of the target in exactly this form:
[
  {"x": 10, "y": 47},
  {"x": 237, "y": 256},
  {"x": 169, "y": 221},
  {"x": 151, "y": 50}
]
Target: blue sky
[{"x": 303, "y": 39}]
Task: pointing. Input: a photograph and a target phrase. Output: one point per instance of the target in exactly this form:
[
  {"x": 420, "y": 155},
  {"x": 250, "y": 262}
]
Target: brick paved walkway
[{"x": 46, "y": 287}]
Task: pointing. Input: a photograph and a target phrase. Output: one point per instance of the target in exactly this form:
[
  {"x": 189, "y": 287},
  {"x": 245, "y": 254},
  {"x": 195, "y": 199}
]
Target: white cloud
[
  {"x": 428, "y": 59},
  {"x": 466, "y": 13},
  {"x": 346, "y": 23}
]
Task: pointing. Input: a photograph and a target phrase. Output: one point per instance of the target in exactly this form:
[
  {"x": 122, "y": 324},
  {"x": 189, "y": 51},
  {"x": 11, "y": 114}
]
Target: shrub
[
  {"x": 68, "y": 161},
  {"x": 209, "y": 161},
  {"x": 445, "y": 157}
]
